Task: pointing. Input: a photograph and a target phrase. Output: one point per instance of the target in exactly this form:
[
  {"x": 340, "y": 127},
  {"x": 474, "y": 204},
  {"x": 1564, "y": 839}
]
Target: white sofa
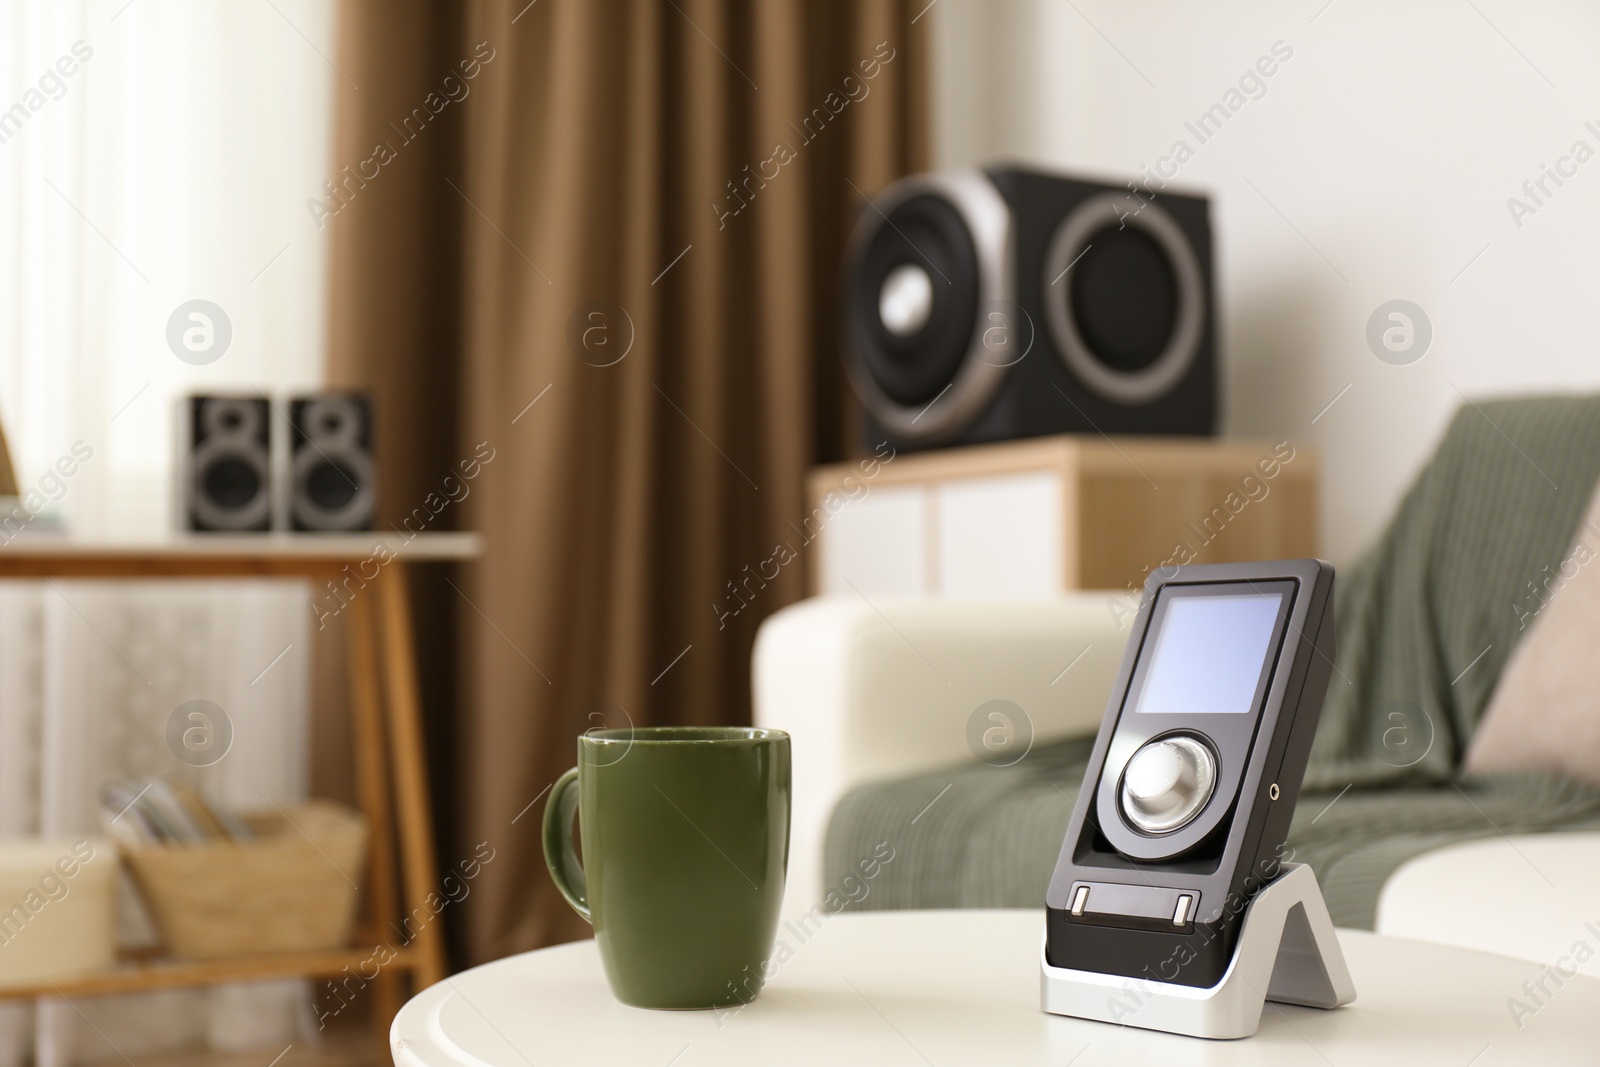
[
  {"x": 886, "y": 688},
  {"x": 881, "y": 689}
]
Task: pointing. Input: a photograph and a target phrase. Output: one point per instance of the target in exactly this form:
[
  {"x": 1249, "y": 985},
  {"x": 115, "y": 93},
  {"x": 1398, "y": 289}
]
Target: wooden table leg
[
  {"x": 404, "y": 706},
  {"x": 372, "y": 782}
]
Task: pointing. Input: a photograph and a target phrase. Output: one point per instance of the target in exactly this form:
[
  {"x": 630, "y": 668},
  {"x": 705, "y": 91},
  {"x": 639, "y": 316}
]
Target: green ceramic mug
[{"x": 685, "y": 834}]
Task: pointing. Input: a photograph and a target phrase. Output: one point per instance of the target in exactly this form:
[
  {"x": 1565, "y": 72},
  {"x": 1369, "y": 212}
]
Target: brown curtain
[{"x": 605, "y": 270}]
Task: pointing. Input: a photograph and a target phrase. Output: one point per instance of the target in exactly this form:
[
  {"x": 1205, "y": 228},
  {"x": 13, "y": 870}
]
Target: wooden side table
[{"x": 391, "y": 769}]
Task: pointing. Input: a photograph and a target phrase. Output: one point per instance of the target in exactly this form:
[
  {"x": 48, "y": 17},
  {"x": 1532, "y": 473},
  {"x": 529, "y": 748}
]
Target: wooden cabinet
[{"x": 1028, "y": 518}]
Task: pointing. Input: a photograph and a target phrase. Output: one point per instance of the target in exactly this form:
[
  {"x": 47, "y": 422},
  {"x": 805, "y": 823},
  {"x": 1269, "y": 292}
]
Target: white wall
[{"x": 1390, "y": 140}]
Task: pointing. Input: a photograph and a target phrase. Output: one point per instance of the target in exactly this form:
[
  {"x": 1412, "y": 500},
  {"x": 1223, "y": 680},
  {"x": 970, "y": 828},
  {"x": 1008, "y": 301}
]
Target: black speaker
[
  {"x": 227, "y": 482},
  {"x": 1005, "y": 303},
  {"x": 332, "y": 478}
]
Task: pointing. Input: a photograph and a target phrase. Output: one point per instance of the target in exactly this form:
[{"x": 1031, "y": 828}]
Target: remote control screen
[{"x": 1208, "y": 657}]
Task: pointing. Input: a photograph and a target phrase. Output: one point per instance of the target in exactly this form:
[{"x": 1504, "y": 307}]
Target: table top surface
[
  {"x": 946, "y": 988},
  {"x": 239, "y": 547},
  {"x": 1552, "y": 877}
]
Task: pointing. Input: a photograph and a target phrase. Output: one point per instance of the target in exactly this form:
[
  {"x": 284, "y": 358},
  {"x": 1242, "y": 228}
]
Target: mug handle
[{"x": 559, "y": 855}]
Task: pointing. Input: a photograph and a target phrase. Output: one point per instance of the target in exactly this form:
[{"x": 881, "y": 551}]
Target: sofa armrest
[{"x": 888, "y": 688}]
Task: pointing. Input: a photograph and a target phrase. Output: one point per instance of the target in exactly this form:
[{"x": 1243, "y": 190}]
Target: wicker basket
[{"x": 289, "y": 890}]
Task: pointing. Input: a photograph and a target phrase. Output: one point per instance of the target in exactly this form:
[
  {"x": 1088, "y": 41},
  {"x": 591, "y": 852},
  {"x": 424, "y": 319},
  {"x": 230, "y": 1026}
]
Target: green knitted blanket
[{"x": 1427, "y": 621}]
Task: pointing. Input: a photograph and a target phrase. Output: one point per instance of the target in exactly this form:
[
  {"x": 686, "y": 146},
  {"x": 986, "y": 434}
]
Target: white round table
[{"x": 962, "y": 987}]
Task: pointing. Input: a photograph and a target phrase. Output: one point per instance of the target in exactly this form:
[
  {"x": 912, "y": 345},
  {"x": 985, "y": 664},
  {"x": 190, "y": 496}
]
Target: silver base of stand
[{"x": 1288, "y": 952}]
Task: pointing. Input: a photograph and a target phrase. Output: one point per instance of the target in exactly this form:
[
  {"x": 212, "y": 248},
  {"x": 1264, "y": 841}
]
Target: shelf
[
  {"x": 218, "y": 555},
  {"x": 387, "y": 737},
  {"x": 143, "y": 977}
]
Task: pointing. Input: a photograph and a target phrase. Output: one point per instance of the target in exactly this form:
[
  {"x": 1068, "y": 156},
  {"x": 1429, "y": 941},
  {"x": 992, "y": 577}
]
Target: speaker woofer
[
  {"x": 1125, "y": 299},
  {"x": 928, "y": 255}
]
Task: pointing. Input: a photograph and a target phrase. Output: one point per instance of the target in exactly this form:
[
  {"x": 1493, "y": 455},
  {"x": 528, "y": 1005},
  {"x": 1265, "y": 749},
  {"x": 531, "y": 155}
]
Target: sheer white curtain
[
  {"x": 173, "y": 164},
  {"x": 152, "y": 152}
]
